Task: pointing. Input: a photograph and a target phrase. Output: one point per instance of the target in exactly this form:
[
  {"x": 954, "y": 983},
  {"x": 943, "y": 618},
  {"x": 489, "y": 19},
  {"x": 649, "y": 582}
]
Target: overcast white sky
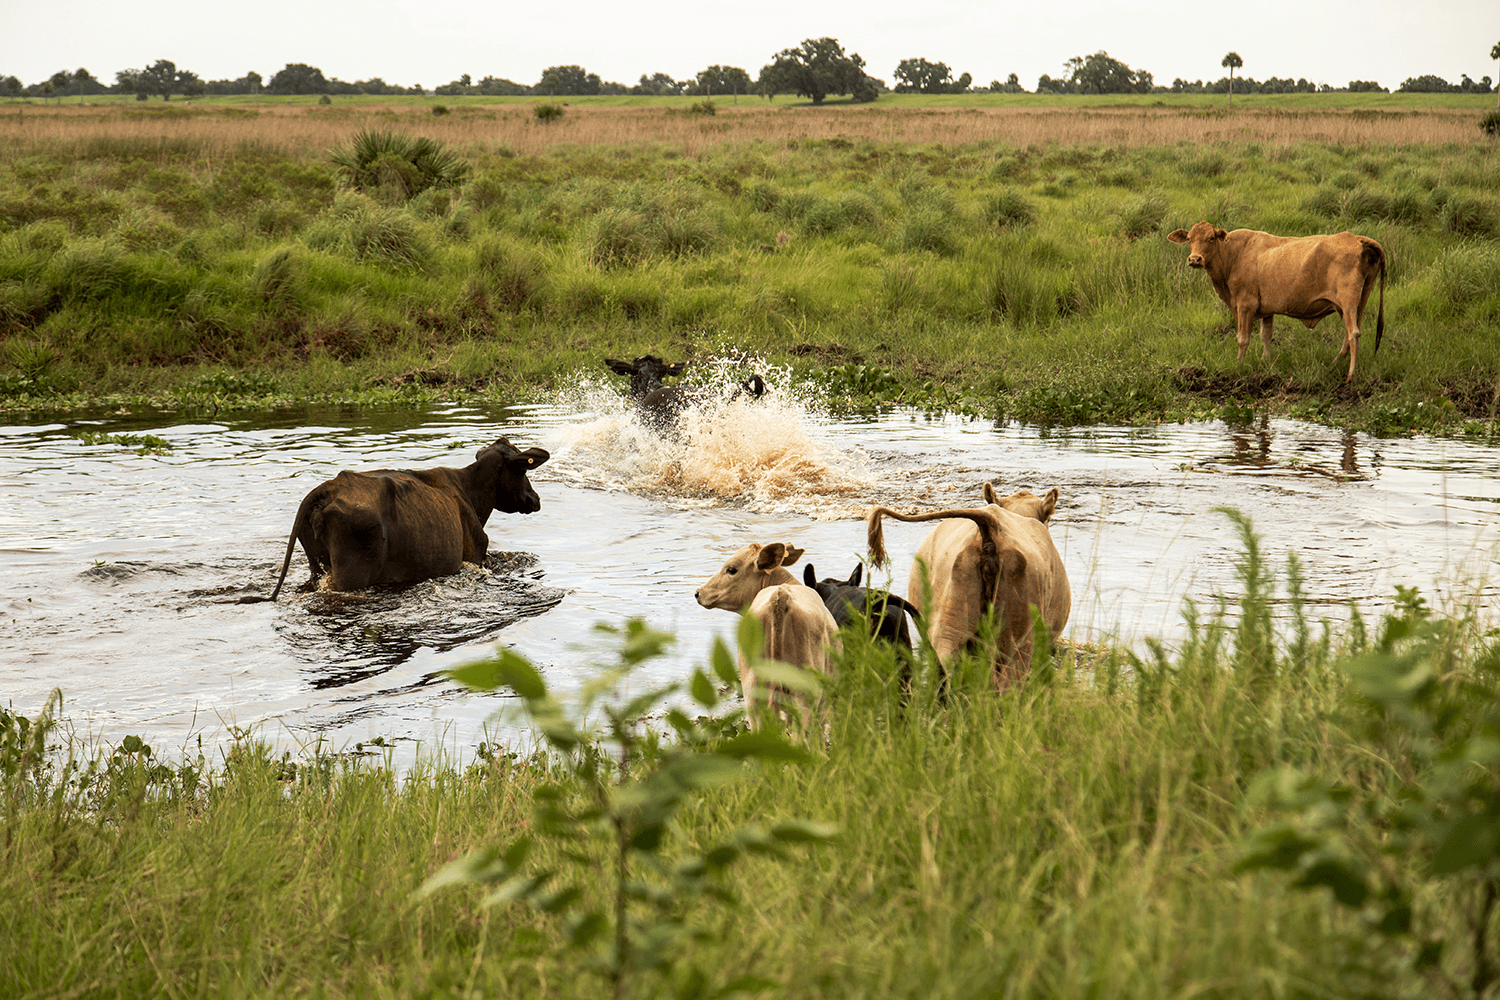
[{"x": 431, "y": 43}]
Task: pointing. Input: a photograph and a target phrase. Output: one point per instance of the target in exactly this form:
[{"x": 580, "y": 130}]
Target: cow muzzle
[{"x": 1195, "y": 260}]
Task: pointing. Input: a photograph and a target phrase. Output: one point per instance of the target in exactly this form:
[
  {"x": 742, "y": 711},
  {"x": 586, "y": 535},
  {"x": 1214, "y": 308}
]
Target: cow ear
[
  {"x": 1177, "y": 236},
  {"x": 770, "y": 556},
  {"x": 989, "y": 493},
  {"x": 1219, "y": 234},
  {"x": 809, "y": 576},
  {"x": 535, "y": 457},
  {"x": 792, "y": 555},
  {"x": 1049, "y": 504},
  {"x": 857, "y": 575},
  {"x": 617, "y": 366},
  {"x": 676, "y": 368}
]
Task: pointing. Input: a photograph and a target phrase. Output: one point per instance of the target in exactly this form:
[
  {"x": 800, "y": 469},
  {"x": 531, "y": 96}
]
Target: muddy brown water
[{"x": 116, "y": 566}]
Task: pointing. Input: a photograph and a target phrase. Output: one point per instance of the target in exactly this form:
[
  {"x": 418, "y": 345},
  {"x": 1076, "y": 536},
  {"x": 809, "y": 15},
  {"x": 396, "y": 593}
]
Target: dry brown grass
[{"x": 300, "y": 129}]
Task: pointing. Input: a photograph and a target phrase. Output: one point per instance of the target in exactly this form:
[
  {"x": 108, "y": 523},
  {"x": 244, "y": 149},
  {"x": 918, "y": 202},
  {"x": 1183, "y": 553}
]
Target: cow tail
[
  {"x": 875, "y": 535},
  {"x": 1380, "y": 315},
  {"x": 286, "y": 562}
]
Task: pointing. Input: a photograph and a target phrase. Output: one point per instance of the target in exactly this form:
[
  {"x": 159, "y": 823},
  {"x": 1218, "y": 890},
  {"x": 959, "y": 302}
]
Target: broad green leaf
[
  {"x": 504, "y": 669},
  {"x": 723, "y": 663},
  {"x": 460, "y": 870},
  {"x": 763, "y": 745},
  {"x": 515, "y": 854},
  {"x": 1278, "y": 845},
  {"x": 802, "y": 831},
  {"x": 519, "y": 887},
  {"x": 722, "y": 856},
  {"x": 587, "y": 929},
  {"x": 745, "y": 984},
  {"x": 703, "y": 690},
  {"x": 785, "y": 675},
  {"x": 704, "y": 770},
  {"x": 751, "y": 637},
  {"x": 1471, "y": 841},
  {"x": 1339, "y": 874},
  {"x": 560, "y": 900}
]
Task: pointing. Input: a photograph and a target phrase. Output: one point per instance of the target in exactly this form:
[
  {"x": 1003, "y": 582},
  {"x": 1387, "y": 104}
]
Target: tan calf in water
[{"x": 799, "y": 630}]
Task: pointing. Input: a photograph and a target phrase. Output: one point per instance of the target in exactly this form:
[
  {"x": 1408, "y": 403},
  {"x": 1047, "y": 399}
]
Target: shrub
[
  {"x": 764, "y": 196},
  {"x": 1030, "y": 296},
  {"x": 402, "y": 164},
  {"x": 1489, "y": 123},
  {"x": 931, "y": 230},
  {"x": 1464, "y": 215},
  {"x": 1142, "y": 216},
  {"x": 278, "y": 280},
  {"x": 616, "y": 236},
  {"x": 681, "y": 233},
  {"x": 547, "y": 112},
  {"x": 438, "y": 110},
  {"x": 513, "y": 275},
  {"x": 1468, "y": 273}
]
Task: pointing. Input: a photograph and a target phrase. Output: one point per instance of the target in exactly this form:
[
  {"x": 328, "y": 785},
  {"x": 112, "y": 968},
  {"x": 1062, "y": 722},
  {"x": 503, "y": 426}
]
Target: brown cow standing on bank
[
  {"x": 405, "y": 526},
  {"x": 1001, "y": 557},
  {"x": 1305, "y": 277}
]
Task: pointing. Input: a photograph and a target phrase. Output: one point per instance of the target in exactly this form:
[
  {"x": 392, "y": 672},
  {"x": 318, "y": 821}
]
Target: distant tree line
[{"x": 816, "y": 69}]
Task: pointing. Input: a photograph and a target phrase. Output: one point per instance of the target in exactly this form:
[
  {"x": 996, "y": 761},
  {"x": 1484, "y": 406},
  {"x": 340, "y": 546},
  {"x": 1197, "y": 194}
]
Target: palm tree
[
  {"x": 1495, "y": 54},
  {"x": 1234, "y": 62}
]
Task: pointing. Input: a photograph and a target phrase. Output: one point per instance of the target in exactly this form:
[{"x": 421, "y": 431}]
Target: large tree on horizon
[{"x": 815, "y": 69}]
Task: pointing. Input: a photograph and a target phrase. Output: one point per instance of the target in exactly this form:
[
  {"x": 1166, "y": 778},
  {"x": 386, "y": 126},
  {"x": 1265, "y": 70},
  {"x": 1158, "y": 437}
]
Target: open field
[{"x": 1004, "y": 259}]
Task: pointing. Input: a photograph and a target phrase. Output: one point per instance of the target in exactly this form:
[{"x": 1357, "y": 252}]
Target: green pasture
[{"x": 1031, "y": 281}]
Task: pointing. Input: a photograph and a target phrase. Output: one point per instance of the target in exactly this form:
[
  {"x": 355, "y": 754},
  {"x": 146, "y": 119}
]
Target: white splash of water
[{"x": 769, "y": 455}]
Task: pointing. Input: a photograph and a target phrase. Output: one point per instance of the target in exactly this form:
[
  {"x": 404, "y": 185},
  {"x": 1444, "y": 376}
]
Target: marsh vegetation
[{"x": 1004, "y": 260}]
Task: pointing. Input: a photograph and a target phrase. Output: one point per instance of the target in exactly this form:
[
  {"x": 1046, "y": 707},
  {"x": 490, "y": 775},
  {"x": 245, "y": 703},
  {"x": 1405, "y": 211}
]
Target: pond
[{"x": 120, "y": 567}]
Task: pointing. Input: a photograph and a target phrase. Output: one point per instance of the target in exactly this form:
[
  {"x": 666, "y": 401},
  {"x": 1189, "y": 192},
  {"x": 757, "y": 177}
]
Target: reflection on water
[{"x": 119, "y": 568}]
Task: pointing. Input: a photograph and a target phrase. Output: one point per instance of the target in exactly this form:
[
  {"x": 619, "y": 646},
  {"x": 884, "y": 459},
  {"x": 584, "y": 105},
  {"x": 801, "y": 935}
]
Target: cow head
[
  {"x": 828, "y": 587},
  {"x": 746, "y": 573},
  {"x": 1203, "y": 241},
  {"x": 506, "y": 466},
  {"x": 645, "y": 372},
  {"x": 1024, "y": 502}
]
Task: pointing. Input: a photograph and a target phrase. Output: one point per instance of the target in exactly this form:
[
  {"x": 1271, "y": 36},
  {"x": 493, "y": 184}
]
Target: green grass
[
  {"x": 1075, "y": 836},
  {"x": 988, "y": 271}
]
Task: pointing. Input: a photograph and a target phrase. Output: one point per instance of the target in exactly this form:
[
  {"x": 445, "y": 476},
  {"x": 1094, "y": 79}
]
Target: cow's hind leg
[{"x": 1265, "y": 336}]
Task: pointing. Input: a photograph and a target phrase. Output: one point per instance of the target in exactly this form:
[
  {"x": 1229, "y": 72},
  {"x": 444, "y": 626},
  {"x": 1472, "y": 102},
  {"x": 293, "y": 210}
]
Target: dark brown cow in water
[
  {"x": 405, "y": 526},
  {"x": 1305, "y": 277}
]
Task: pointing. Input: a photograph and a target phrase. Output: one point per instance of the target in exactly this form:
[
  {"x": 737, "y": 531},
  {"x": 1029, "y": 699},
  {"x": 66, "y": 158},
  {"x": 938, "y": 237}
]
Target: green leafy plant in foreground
[
  {"x": 612, "y": 810},
  {"x": 1423, "y": 830}
]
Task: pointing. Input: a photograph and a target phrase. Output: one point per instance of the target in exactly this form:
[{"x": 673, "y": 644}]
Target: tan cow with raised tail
[{"x": 999, "y": 556}]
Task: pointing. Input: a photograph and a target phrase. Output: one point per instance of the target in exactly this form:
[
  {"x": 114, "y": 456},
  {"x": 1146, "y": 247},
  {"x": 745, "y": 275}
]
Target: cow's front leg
[
  {"x": 1265, "y": 336},
  {"x": 1243, "y": 319}
]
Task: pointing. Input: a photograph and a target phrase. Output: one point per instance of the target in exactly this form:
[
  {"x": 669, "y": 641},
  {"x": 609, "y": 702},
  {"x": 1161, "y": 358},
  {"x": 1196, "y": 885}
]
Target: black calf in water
[
  {"x": 846, "y": 599},
  {"x": 661, "y": 405}
]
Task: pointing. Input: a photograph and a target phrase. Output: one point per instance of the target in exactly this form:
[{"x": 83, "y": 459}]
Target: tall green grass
[
  {"x": 1074, "y": 836},
  {"x": 946, "y": 265}
]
